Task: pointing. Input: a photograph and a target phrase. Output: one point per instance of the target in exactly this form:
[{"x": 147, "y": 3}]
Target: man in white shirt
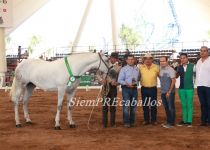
[{"x": 203, "y": 85}]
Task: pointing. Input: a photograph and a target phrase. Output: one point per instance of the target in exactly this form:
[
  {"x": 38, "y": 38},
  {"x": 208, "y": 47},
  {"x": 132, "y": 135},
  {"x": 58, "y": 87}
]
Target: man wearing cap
[
  {"x": 203, "y": 85},
  {"x": 109, "y": 90},
  {"x": 128, "y": 79},
  {"x": 149, "y": 73}
]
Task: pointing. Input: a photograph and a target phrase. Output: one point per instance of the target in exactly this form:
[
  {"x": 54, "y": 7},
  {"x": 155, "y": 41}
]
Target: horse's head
[{"x": 103, "y": 63}]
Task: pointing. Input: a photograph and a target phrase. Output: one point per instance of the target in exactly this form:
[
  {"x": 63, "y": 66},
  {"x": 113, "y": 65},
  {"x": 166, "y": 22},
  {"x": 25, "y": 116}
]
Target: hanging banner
[{"x": 5, "y": 13}]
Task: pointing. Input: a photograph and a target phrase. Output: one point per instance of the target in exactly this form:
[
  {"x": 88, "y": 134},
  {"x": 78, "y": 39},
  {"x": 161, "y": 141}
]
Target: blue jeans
[
  {"x": 169, "y": 107},
  {"x": 204, "y": 98},
  {"x": 130, "y": 96},
  {"x": 149, "y": 94}
]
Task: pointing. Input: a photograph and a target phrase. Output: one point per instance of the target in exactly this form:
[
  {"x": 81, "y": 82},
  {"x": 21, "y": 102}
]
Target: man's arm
[
  {"x": 158, "y": 74},
  {"x": 194, "y": 73},
  {"x": 173, "y": 81},
  {"x": 139, "y": 77},
  {"x": 158, "y": 71},
  {"x": 121, "y": 77},
  {"x": 177, "y": 72}
]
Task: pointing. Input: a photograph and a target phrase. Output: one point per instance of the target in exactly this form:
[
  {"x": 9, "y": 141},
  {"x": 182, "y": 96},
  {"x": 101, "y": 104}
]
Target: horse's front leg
[
  {"x": 61, "y": 92},
  {"x": 70, "y": 103}
]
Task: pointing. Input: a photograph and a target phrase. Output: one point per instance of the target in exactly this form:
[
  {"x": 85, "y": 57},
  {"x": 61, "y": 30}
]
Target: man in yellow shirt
[{"x": 149, "y": 73}]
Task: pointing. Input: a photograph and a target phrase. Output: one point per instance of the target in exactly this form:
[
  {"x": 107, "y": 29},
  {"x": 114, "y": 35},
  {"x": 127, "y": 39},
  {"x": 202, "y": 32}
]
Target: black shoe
[
  {"x": 127, "y": 125},
  {"x": 182, "y": 123},
  {"x": 154, "y": 123},
  {"x": 113, "y": 126},
  {"x": 203, "y": 124},
  {"x": 167, "y": 126},
  {"x": 145, "y": 123},
  {"x": 172, "y": 124},
  {"x": 133, "y": 124},
  {"x": 189, "y": 124},
  {"x": 208, "y": 125}
]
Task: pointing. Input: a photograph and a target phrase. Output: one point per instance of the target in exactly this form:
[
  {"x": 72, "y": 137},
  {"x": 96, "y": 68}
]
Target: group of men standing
[{"x": 147, "y": 74}]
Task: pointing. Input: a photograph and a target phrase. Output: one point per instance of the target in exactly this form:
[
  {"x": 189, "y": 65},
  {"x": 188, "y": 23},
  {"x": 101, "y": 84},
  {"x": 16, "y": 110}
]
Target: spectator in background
[
  {"x": 25, "y": 55},
  {"x": 141, "y": 61},
  {"x": 174, "y": 64},
  {"x": 127, "y": 53},
  {"x": 19, "y": 52},
  {"x": 198, "y": 57}
]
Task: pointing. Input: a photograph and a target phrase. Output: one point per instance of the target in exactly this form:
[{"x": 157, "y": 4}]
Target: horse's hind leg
[
  {"x": 15, "y": 100},
  {"x": 28, "y": 92}
]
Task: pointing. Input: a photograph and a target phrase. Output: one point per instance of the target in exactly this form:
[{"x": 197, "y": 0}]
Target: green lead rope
[
  {"x": 72, "y": 78},
  {"x": 68, "y": 67}
]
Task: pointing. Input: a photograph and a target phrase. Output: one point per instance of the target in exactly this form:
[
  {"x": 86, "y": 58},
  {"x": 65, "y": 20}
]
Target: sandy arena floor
[{"x": 41, "y": 134}]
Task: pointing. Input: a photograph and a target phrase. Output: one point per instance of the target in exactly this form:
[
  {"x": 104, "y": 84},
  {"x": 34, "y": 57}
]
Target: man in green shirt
[{"x": 186, "y": 89}]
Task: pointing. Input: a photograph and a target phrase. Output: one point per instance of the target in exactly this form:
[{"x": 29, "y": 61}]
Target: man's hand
[
  {"x": 114, "y": 83},
  {"x": 103, "y": 81},
  {"x": 168, "y": 94},
  {"x": 129, "y": 85}
]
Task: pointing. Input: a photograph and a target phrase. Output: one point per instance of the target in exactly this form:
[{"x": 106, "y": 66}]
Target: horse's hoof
[
  {"x": 72, "y": 126},
  {"x": 58, "y": 128},
  {"x": 29, "y": 123},
  {"x": 18, "y": 126}
]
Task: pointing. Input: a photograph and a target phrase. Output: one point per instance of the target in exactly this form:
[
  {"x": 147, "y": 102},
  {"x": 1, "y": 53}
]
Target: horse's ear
[{"x": 103, "y": 52}]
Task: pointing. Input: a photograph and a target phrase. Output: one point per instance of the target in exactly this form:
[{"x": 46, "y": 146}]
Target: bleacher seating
[
  {"x": 193, "y": 54},
  {"x": 156, "y": 53}
]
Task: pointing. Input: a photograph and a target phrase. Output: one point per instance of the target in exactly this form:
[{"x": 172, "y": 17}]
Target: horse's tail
[
  {"x": 12, "y": 92},
  {"x": 13, "y": 88}
]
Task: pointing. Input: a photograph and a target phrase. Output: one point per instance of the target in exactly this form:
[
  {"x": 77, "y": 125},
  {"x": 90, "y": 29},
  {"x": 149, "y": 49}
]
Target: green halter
[{"x": 72, "y": 77}]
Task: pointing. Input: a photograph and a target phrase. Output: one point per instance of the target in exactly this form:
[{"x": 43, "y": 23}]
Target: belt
[
  {"x": 124, "y": 86},
  {"x": 112, "y": 86},
  {"x": 149, "y": 87}
]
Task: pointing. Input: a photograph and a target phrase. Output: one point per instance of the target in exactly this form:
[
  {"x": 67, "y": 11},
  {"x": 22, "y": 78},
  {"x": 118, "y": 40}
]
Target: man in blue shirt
[{"x": 128, "y": 78}]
